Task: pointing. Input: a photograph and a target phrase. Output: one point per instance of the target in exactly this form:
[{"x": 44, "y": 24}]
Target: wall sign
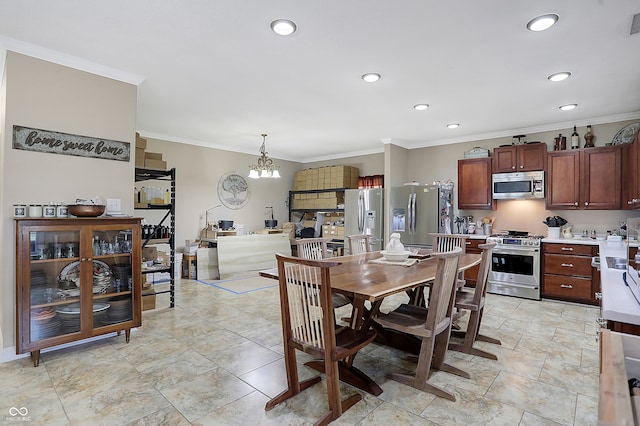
[
  {"x": 233, "y": 191},
  {"x": 38, "y": 140}
]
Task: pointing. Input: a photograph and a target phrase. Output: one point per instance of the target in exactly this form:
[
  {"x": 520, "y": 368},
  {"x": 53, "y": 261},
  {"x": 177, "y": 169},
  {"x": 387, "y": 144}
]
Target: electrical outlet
[{"x": 113, "y": 205}]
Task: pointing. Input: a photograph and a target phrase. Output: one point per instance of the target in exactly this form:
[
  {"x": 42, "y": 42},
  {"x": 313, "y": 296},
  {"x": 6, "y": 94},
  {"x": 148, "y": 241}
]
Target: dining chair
[
  {"x": 431, "y": 325},
  {"x": 316, "y": 249},
  {"x": 312, "y": 248},
  {"x": 359, "y": 243},
  {"x": 473, "y": 301},
  {"x": 308, "y": 325}
]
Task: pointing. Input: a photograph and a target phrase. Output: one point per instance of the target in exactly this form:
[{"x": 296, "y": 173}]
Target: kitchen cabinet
[
  {"x": 588, "y": 179},
  {"x": 153, "y": 233},
  {"x": 567, "y": 272},
  {"x": 471, "y": 274},
  {"x": 75, "y": 279},
  {"x": 474, "y": 184},
  {"x": 520, "y": 158},
  {"x": 631, "y": 173}
]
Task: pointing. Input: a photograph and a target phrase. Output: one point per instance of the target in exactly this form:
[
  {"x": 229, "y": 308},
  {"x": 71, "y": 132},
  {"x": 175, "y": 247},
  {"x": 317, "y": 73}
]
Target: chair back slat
[
  {"x": 443, "y": 289},
  {"x": 359, "y": 244},
  {"x": 305, "y": 295},
  {"x": 483, "y": 272},
  {"x": 447, "y": 242},
  {"x": 312, "y": 248}
]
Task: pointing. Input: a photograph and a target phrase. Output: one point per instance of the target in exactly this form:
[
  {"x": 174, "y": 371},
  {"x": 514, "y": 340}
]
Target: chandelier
[{"x": 265, "y": 168}]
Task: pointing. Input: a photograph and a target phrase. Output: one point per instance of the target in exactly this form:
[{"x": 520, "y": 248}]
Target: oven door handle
[
  {"x": 522, "y": 251},
  {"x": 502, "y": 283}
]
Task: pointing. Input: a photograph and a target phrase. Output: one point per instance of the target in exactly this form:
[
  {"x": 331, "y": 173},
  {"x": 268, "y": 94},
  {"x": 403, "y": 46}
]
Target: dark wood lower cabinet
[{"x": 567, "y": 273}]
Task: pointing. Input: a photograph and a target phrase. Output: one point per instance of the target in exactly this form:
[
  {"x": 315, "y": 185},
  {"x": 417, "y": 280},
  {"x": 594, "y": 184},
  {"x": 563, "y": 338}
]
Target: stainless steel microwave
[{"x": 518, "y": 186}]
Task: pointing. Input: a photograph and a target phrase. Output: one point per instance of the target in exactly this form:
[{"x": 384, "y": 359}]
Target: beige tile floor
[{"x": 216, "y": 359}]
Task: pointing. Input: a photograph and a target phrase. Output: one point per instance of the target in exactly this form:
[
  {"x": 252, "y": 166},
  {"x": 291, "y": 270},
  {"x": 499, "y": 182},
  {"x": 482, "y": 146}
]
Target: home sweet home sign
[{"x": 38, "y": 140}]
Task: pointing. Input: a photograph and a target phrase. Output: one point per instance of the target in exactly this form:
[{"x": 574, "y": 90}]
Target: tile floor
[{"x": 216, "y": 359}]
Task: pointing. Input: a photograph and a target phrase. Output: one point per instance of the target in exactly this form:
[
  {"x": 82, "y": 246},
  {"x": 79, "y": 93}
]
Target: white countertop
[
  {"x": 575, "y": 240},
  {"x": 618, "y": 303}
]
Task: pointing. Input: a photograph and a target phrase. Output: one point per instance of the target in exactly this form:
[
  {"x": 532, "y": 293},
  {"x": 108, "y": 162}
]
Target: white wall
[
  {"x": 47, "y": 96},
  {"x": 198, "y": 171}
]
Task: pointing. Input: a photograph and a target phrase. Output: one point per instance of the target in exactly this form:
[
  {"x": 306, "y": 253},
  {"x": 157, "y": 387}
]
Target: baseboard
[{"x": 9, "y": 354}]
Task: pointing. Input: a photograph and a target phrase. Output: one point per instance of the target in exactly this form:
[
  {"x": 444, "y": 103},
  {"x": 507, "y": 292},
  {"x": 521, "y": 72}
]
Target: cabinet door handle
[
  {"x": 522, "y": 167},
  {"x": 513, "y": 167},
  {"x": 568, "y": 265},
  {"x": 567, "y": 249},
  {"x": 598, "y": 295},
  {"x": 575, "y": 203},
  {"x": 566, "y": 286},
  {"x": 468, "y": 243},
  {"x": 586, "y": 203}
]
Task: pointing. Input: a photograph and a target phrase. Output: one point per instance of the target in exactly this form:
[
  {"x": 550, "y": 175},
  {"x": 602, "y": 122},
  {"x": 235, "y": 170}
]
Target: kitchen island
[
  {"x": 241, "y": 253},
  {"x": 619, "y": 306}
]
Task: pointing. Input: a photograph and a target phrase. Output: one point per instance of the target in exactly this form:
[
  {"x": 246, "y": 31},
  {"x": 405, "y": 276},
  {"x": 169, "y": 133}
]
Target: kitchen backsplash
[{"x": 528, "y": 215}]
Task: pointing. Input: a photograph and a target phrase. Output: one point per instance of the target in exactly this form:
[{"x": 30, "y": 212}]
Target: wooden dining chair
[
  {"x": 359, "y": 243},
  {"x": 473, "y": 301},
  {"x": 316, "y": 249},
  {"x": 312, "y": 248},
  {"x": 308, "y": 325},
  {"x": 431, "y": 325}
]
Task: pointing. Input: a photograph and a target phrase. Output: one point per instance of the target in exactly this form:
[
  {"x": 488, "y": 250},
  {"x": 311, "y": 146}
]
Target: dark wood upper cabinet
[
  {"x": 474, "y": 184},
  {"x": 631, "y": 173},
  {"x": 589, "y": 178},
  {"x": 519, "y": 158}
]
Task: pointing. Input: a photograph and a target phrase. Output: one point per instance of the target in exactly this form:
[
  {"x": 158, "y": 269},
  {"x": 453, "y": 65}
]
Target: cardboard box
[
  {"x": 140, "y": 142},
  {"x": 149, "y": 253},
  {"x": 148, "y": 298},
  {"x": 155, "y": 164},
  {"x": 139, "y": 157},
  {"x": 152, "y": 155}
]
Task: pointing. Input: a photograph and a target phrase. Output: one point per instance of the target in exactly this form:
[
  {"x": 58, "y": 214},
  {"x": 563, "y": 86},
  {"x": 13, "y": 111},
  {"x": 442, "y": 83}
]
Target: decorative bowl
[
  {"x": 400, "y": 256},
  {"x": 86, "y": 210}
]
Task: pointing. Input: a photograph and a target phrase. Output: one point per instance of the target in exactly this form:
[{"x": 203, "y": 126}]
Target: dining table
[{"x": 367, "y": 277}]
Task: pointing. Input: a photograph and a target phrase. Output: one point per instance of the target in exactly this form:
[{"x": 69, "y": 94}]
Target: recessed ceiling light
[
  {"x": 420, "y": 107},
  {"x": 371, "y": 77},
  {"x": 283, "y": 27},
  {"x": 542, "y": 22},
  {"x": 559, "y": 76},
  {"x": 453, "y": 125},
  {"x": 568, "y": 107}
]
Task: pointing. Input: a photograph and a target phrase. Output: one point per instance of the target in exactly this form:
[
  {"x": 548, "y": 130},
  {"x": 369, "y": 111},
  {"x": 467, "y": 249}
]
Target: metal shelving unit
[{"x": 142, "y": 174}]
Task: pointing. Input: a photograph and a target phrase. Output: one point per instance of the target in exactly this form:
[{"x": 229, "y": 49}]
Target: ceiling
[{"x": 212, "y": 73}]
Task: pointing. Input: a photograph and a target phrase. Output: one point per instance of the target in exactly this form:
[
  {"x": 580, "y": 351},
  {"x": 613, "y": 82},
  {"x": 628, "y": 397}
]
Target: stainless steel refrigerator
[
  {"x": 363, "y": 214},
  {"x": 417, "y": 210}
]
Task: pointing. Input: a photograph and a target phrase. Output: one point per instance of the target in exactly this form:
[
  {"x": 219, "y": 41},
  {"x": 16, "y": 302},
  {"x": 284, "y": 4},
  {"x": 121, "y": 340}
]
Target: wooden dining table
[{"x": 362, "y": 280}]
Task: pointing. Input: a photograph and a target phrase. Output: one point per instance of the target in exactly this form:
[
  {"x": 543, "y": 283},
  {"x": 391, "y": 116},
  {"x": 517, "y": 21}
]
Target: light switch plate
[{"x": 113, "y": 205}]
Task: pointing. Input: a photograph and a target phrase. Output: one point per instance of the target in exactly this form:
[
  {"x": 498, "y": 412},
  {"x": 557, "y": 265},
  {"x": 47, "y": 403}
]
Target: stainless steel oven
[{"x": 515, "y": 266}]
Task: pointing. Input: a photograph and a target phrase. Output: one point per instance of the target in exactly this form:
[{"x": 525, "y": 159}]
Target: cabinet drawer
[
  {"x": 574, "y": 249},
  {"x": 567, "y": 265},
  {"x": 472, "y": 245},
  {"x": 567, "y": 287}
]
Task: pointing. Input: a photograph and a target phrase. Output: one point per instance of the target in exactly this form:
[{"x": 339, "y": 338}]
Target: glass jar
[
  {"x": 49, "y": 211},
  {"x": 62, "y": 210},
  {"x": 35, "y": 210},
  {"x": 19, "y": 210}
]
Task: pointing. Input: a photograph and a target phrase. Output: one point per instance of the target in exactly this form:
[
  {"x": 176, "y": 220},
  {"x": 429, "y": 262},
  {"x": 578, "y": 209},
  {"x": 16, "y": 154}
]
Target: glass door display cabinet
[{"x": 75, "y": 279}]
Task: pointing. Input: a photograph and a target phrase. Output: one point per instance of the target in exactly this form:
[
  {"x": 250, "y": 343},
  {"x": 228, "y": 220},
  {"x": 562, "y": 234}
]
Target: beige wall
[
  {"x": 198, "y": 171},
  {"x": 43, "y": 95},
  {"x": 440, "y": 162},
  {"x": 370, "y": 164}
]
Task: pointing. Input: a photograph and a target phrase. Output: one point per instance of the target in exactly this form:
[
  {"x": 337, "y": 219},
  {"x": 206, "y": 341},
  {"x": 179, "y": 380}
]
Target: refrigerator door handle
[
  {"x": 409, "y": 215},
  {"x": 360, "y": 212},
  {"x": 413, "y": 213}
]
